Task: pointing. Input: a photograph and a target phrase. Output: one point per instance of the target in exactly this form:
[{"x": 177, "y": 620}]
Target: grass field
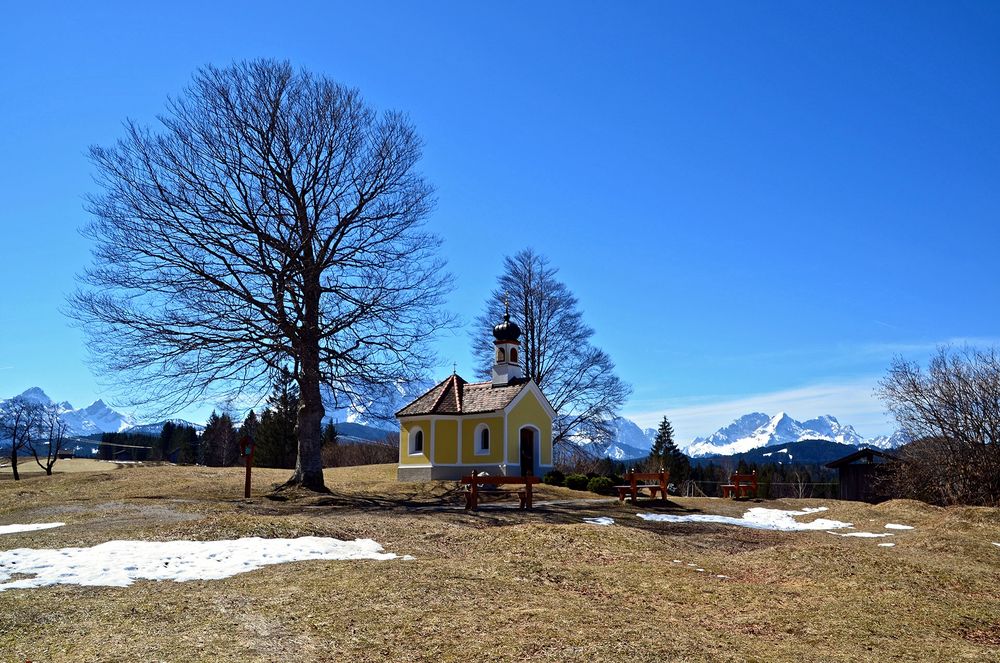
[{"x": 499, "y": 584}]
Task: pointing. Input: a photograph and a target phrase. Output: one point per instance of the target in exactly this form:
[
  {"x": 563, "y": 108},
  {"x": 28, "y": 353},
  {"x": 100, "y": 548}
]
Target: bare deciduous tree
[
  {"x": 578, "y": 379},
  {"x": 50, "y": 435},
  {"x": 273, "y": 219},
  {"x": 19, "y": 418},
  {"x": 952, "y": 411}
]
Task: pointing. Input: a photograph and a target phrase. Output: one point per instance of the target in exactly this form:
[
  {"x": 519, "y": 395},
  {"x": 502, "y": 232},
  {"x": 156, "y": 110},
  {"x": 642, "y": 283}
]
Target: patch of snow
[
  {"x": 722, "y": 576},
  {"x": 756, "y": 518},
  {"x": 863, "y": 535},
  {"x": 120, "y": 563},
  {"x": 895, "y": 526},
  {"x": 11, "y": 529},
  {"x": 603, "y": 520},
  {"x": 886, "y": 545},
  {"x": 995, "y": 543}
]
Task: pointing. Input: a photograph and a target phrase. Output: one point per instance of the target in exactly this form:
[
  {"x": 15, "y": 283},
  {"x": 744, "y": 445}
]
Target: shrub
[
  {"x": 577, "y": 482},
  {"x": 601, "y": 485},
  {"x": 554, "y": 478}
]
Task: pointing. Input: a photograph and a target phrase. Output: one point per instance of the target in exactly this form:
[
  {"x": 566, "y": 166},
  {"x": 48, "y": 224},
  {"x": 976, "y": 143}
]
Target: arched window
[
  {"x": 513, "y": 355},
  {"x": 501, "y": 355},
  {"x": 417, "y": 442},
  {"x": 482, "y": 440}
]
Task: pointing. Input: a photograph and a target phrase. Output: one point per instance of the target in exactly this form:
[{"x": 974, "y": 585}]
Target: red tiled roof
[{"x": 456, "y": 396}]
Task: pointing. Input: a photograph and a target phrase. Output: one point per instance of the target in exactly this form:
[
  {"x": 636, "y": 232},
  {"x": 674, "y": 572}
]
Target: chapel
[{"x": 503, "y": 426}]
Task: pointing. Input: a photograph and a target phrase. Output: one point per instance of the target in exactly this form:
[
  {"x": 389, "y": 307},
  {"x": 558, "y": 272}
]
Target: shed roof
[
  {"x": 866, "y": 453},
  {"x": 455, "y": 396}
]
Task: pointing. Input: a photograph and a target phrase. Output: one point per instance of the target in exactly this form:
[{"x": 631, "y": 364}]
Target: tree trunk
[
  {"x": 13, "y": 462},
  {"x": 309, "y": 465}
]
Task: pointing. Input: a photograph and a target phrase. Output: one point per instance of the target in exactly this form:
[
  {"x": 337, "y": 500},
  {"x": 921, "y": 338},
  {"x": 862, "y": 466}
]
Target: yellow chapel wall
[
  {"x": 446, "y": 441},
  {"x": 469, "y": 455},
  {"x": 529, "y": 412},
  {"x": 405, "y": 430}
]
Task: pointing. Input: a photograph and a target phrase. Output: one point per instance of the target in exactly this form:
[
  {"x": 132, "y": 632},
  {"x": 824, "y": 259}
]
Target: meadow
[{"x": 499, "y": 584}]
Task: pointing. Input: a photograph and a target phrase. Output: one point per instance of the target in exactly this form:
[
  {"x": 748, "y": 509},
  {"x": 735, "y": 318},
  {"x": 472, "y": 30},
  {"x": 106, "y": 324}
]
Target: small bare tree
[
  {"x": 952, "y": 411},
  {"x": 50, "y": 437},
  {"x": 273, "y": 220},
  {"x": 19, "y": 419},
  {"x": 577, "y": 378},
  {"x": 800, "y": 486}
]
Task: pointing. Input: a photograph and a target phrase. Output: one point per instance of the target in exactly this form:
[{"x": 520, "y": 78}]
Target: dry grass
[{"x": 500, "y": 584}]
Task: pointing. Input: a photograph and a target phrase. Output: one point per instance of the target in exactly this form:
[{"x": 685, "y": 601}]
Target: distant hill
[
  {"x": 805, "y": 452},
  {"x": 354, "y": 432}
]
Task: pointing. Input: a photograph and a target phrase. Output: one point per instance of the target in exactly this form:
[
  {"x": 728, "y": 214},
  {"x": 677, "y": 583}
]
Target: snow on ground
[
  {"x": 120, "y": 563},
  {"x": 863, "y": 535},
  {"x": 895, "y": 526},
  {"x": 603, "y": 520},
  {"x": 756, "y": 518},
  {"x": 886, "y": 545},
  {"x": 11, "y": 529},
  {"x": 995, "y": 543}
]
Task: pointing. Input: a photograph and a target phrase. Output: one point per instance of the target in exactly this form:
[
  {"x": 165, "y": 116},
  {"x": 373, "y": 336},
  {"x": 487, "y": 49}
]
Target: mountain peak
[
  {"x": 95, "y": 418},
  {"x": 759, "y": 430},
  {"x": 36, "y": 395}
]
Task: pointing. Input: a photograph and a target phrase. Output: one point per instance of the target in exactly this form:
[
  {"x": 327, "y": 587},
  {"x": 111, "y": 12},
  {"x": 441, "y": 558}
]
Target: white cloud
[{"x": 852, "y": 402}]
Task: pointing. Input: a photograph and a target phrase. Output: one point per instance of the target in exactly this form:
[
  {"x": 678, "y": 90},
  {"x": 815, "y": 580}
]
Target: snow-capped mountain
[
  {"x": 757, "y": 429},
  {"x": 894, "y": 441},
  {"x": 95, "y": 418},
  {"x": 627, "y": 441}
]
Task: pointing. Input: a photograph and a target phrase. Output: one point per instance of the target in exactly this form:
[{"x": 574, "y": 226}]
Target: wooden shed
[{"x": 862, "y": 475}]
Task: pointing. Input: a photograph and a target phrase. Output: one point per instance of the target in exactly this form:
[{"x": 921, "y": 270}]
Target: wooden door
[{"x": 527, "y": 452}]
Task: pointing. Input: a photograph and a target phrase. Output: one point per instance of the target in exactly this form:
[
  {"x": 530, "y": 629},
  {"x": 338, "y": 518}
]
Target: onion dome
[{"x": 507, "y": 331}]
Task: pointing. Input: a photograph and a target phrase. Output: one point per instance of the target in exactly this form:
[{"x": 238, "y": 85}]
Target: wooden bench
[
  {"x": 475, "y": 480},
  {"x": 633, "y": 486},
  {"x": 741, "y": 485}
]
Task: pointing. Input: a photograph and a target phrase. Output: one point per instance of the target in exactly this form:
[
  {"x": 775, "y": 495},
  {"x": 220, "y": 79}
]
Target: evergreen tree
[
  {"x": 185, "y": 445},
  {"x": 166, "y": 441},
  {"x": 276, "y": 434},
  {"x": 329, "y": 435},
  {"x": 250, "y": 426},
  {"x": 218, "y": 441},
  {"x": 665, "y": 453},
  {"x": 663, "y": 442}
]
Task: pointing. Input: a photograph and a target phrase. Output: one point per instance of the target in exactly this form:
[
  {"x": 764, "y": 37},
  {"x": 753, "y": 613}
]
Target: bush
[
  {"x": 601, "y": 485},
  {"x": 554, "y": 478},
  {"x": 577, "y": 482}
]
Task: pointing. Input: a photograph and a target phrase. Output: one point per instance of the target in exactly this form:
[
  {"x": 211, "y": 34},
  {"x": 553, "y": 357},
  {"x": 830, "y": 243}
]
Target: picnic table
[
  {"x": 741, "y": 485},
  {"x": 475, "y": 480},
  {"x": 633, "y": 486}
]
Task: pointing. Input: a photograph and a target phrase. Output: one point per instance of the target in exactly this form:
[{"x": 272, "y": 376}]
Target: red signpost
[{"x": 246, "y": 450}]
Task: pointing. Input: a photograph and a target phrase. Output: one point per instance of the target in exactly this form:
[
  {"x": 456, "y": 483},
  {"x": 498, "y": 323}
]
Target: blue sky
[{"x": 757, "y": 204}]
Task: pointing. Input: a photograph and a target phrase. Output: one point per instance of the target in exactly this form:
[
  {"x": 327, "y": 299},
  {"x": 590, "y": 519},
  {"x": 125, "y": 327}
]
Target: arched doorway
[{"x": 528, "y": 437}]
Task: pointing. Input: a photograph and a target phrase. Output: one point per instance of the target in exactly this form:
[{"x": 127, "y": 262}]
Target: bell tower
[{"x": 506, "y": 359}]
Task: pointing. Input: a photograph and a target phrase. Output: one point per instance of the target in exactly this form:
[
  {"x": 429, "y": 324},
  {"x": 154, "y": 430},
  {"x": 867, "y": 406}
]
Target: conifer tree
[
  {"x": 250, "y": 425},
  {"x": 665, "y": 453},
  {"x": 663, "y": 441},
  {"x": 276, "y": 434},
  {"x": 166, "y": 441},
  {"x": 218, "y": 441},
  {"x": 329, "y": 435}
]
